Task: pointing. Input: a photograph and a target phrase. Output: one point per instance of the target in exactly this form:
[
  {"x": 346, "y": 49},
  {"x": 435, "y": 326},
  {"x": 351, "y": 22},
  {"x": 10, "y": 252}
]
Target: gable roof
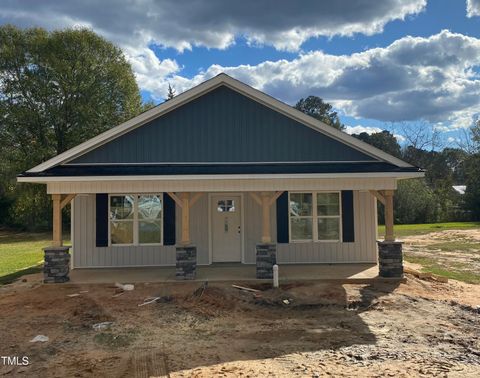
[
  {"x": 222, "y": 126},
  {"x": 200, "y": 90}
]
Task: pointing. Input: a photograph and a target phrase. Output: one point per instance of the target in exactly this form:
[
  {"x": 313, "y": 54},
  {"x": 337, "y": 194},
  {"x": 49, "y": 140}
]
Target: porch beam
[
  {"x": 389, "y": 233},
  {"x": 195, "y": 198},
  {"x": 185, "y": 198},
  {"x": 378, "y": 196},
  {"x": 275, "y": 197},
  {"x": 57, "y": 220},
  {"x": 65, "y": 201},
  {"x": 256, "y": 198},
  {"x": 177, "y": 200}
]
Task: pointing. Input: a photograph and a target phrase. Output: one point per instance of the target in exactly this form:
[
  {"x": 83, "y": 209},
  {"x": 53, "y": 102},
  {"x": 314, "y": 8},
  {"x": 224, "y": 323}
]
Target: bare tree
[{"x": 421, "y": 135}]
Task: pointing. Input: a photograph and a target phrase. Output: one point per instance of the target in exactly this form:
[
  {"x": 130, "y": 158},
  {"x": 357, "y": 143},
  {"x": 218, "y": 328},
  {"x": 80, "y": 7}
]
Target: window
[
  {"x": 135, "y": 219},
  {"x": 226, "y": 206},
  {"x": 315, "y": 216}
]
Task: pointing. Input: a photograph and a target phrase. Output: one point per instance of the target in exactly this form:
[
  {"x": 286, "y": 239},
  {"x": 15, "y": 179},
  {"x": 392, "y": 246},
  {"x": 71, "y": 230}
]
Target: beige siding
[
  {"x": 85, "y": 254},
  {"x": 222, "y": 185},
  {"x": 362, "y": 250},
  {"x": 253, "y": 227}
]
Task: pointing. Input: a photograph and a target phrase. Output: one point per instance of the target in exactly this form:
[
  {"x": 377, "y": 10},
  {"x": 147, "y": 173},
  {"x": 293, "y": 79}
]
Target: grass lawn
[
  {"x": 456, "y": 271},
  {"x": 425, "y": 228},
  {"x": 21, "y": 253}
]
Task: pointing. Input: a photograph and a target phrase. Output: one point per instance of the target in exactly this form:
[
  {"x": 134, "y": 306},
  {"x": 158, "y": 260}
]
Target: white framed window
[
  {"x": 315, "y": 216},
  {"x": 135, "y": 219}
]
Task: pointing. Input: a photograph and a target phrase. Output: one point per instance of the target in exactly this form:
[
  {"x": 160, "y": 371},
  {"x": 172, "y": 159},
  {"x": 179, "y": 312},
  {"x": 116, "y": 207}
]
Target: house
[{"x": 222, "y": 173}]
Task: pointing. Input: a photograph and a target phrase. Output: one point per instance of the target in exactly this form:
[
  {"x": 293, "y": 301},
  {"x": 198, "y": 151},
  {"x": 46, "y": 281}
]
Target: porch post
[
  {"x": 390, "y": 255},
  {"x": 266, "y": 232},
  {"x": 389, "y": 233},
  {"x": 186, "y": 254},
  {"x": 57, "y": 220},
  {"x": 56, "y": 265},
  {"x": 185, "y": 197}
]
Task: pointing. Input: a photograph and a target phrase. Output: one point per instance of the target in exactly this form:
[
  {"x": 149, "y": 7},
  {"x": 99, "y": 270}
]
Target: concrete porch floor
[{"x": 339, "y": 273}]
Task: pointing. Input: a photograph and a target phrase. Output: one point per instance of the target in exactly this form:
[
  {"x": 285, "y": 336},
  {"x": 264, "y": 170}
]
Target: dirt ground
[
  {"x": 454, "y": 250},
  {"x": 302, "y": 330}
]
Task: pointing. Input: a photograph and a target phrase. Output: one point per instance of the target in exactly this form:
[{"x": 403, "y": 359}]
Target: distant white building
[{"x": 460, "y": 189}]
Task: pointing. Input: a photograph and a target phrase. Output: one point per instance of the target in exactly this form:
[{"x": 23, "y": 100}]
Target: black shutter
[
  {"x": 168, "y": 220},
  {"x": 282, "y": 218},
  {"x": 348, "y": 227},
  {"x": 101, "y": 217}
]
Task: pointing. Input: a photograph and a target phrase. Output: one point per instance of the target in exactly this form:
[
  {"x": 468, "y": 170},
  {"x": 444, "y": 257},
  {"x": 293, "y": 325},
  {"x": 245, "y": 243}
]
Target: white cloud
[
  {"x": 135, "y": 25},
  {"x": 283, "y": 24},
  {"x": 362, "y": 129},
  {"x": 473, "y": 8},
  {"x": 358, "y": 129},
  {"x": 414, "y": 78}
]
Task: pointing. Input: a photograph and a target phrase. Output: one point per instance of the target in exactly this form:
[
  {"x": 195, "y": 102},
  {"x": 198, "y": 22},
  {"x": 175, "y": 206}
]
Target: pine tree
[{"x": 171, "y": 92}]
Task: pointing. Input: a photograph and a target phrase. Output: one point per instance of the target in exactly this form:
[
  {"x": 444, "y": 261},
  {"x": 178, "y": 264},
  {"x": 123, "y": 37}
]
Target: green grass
[
  {"x": 451, "y": 246},
  {"x": 425, "y": 228},
  {"x": 21, "y": 253},
  {"x": 453, "y": 271}
]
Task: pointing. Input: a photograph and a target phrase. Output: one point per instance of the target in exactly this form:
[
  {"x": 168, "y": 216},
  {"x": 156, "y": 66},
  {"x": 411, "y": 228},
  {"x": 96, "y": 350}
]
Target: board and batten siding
[
  {"x": 362, "y": 250},
  {"x": 86, "y": 254}
]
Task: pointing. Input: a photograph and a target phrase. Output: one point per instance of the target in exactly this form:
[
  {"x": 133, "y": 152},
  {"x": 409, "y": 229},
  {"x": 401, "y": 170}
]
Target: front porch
[{"x": 336, "y": 273}]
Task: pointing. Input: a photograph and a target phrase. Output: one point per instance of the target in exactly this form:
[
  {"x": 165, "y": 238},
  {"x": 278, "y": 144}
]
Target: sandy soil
[
  {"x": 301, "y": 330},
  {"x": 466, "y": 258}
]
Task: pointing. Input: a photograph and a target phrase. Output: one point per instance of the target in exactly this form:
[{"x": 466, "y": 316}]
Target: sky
[{"x": 393, "y": 64}]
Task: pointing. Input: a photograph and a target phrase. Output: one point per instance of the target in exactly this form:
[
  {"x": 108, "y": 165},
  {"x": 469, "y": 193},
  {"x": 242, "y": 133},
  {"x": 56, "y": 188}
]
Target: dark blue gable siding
[{"x": 222, "y": 126}]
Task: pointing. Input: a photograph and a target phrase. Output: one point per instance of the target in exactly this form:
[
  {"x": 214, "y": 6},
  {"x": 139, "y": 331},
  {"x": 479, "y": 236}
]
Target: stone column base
[
  {"x": 266, "y": 259},
  {"x": 186, "y": 267},
  {"x": 390, "y": 259},
  {"x": 57, "y": 264}
]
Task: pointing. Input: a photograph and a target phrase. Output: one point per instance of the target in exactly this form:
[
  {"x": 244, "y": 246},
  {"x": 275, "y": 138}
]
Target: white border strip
[{"x": 399, "y": 175}]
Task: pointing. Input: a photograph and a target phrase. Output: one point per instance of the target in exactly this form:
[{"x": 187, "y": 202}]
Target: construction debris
[
  {"x": 246, "y": 289},
  {"x": 440, "y": 278},
  {"x": 118, "y": 294},
  {"x": 39, "y": 338},
  {"x": 199, "y": 292},
  {"x": 73, "y": 295},
  {"x": 425, "y": 275},
  {"x": 148, "y": 301},
  {"x": 102, "y": 326},
  {"x": 124, "y": 287}
]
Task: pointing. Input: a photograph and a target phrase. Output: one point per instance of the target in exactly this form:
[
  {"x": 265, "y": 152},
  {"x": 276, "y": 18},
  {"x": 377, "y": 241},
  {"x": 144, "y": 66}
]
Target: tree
[
  {"x": 383, "y": 140},
  {"x": 475, "y": 131},
  {"x": 315, "y": 107},
  {"x": 57, "y": 89},
  {"x": 171, "y": 93},
  {"x": 414, "y": 202},
  {"x": 472, "y": 174}
]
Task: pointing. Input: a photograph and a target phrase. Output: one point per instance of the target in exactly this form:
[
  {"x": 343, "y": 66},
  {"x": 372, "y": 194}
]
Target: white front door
[{"x": 226, "y": 228}]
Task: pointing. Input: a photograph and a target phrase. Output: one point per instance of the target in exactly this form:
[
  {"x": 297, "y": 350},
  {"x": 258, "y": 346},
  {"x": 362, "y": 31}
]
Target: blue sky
[{"x": 395, "y": 64}]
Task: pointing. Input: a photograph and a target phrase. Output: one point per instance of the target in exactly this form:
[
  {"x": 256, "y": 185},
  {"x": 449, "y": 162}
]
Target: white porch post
[
  {"x": 389, "y": 232},
  {"x": 185, "y": 198},
  {"x": 58, "y": 204},
  {"x": 386, "y": 198},
  {"x": 266, "y": 232},
  {"x": 57, "y": 220}
]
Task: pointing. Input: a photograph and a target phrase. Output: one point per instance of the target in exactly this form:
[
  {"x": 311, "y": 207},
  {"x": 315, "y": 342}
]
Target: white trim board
[
  {"x": 199, "y": 90},
  {"x": 396, "y": 175}
]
